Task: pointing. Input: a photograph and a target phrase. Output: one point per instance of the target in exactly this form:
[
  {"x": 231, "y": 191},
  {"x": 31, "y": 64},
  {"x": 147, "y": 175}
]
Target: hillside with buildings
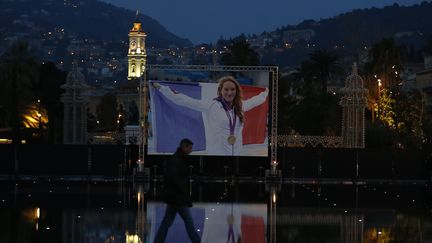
[
  {"x": 347, "y": 34},
  {"x": 103, "y": 22}
]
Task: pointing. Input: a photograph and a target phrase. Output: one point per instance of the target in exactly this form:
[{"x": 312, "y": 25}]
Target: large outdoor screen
[{"x": 222, "y": 117}]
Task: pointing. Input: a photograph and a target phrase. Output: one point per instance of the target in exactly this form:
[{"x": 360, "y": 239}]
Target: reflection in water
[
  {"x": 306, "y": 225},
  {"x": 273, "y": 213},
  {"x": 98, "y": 225},
  {"x": 132, "y": 238},
  {"x": 256, "y": 213},
  {"x": 140, "y": 222},
  {"x": 215, "y": 222}
]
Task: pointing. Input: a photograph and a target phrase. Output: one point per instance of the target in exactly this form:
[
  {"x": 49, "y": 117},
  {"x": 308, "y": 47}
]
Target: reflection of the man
[{"x": 215, "y": 222}]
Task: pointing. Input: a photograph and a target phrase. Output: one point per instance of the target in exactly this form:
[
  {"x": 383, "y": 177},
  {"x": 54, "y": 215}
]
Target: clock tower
[{"x": 137, "y": 52}]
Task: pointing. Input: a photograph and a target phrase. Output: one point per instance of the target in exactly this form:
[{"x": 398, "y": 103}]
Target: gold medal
[{"x": 231, "y": 139}]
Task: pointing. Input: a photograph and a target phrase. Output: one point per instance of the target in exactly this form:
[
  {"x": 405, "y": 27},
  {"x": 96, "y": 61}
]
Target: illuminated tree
[
  {"x": 35, "y": 116},
  {"x": 411, "y": 118},
  {"x": 384, "y": 108},
  {"x": 375, "y": 235},
  {"x": 405, "y": 114}
]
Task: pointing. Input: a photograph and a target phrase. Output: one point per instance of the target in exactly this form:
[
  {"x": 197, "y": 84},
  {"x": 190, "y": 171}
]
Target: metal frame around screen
[{"x": 272, "y": 70}]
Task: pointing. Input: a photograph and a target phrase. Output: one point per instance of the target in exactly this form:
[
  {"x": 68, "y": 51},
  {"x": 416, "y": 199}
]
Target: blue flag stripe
[{"x": 175, "y": 122}]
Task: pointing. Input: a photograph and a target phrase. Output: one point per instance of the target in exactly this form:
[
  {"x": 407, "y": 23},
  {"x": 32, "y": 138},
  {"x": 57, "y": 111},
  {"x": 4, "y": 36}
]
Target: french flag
[{"x": 175, "y": 122}]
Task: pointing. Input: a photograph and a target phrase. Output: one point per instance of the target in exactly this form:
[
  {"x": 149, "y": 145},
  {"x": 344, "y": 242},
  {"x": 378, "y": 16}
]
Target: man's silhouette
[{"x": 177, "y": 195}]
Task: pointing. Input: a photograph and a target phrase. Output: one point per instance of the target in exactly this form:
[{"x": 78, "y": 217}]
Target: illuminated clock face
[{"x": 133, "y": 44}]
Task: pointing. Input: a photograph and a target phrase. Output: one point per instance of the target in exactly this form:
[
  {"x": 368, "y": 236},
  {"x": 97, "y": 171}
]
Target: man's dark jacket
[{"x": 176, "y": 181}]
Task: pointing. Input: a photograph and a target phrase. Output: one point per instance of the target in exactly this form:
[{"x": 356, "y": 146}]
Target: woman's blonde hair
[{"x": 237, "y": 102}]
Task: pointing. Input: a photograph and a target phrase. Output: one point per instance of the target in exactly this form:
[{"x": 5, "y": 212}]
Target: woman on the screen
[{"x": 223, "y": 116}]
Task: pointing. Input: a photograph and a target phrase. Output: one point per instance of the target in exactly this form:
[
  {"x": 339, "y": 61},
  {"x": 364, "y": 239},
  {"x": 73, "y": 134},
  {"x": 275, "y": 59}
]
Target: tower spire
[
  {"x": 354, "y": 69},
  {"x": 137, "y": 53}
]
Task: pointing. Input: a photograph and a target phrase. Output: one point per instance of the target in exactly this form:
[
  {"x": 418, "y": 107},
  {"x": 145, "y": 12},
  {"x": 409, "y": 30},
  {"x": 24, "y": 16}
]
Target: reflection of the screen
[
  {"x": 100, "y": 225},
  {"x": 215, "y": 222}
]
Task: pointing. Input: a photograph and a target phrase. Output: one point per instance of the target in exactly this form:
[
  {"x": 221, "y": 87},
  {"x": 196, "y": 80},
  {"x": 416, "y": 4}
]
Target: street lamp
[
  {"x": 39, "y": 117},
  {"x": 379, "y": 96},
  {"x": 379, "y": 88}
]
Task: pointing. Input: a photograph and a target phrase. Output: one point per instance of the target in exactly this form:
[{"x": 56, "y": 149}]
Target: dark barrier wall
[
  {"x": 52, "y": 160},
  {"x": 106, "y": 159},
  {"x": 35, "y": 159},
  {"x": 110, "y": 160},
  {"x": 411, "y": 165},
  {"x": 375, "y": 164},
  {"x": 354, "y": 163},
  {"x": 302, "y": 163},
  {"x": 214, "y": 166},
  {"x": 338, "y": 163},
  {"x": 6, "y": 159}
]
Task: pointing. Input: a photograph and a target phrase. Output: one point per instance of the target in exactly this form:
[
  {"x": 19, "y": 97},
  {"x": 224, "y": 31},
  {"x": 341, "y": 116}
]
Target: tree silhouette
[
  {"x": 107, "y": 112},
  {"x": 324, "y": 64},
  {"x": 387, "y": 61},
  {"x": 240, "y": 54},
  {"x": 18, "y": 76},
  {"x": 49, "y": 92}
]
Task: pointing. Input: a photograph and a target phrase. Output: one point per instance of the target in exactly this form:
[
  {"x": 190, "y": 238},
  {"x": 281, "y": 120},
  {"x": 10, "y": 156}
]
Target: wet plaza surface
[{"x": 102, "y": 211}]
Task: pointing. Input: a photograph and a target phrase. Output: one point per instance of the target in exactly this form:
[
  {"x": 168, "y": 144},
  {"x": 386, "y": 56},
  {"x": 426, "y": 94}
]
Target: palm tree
[
  {"x": 315, "y": 73},
  {"x": 240, "y": 54},
  {"x": 306, "y": 72},
  {"x": 49, "y": 93},
  {"x": 107, "y": 112},
  {"x": 325, "y": 64},
  {"x": 427, "y": 50},
  {"x": 18, "y": 75},
  {"x": 387, "y": 60}
]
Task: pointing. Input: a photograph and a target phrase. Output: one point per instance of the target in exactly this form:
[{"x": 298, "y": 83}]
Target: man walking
[{"x": 177, "y": 195}]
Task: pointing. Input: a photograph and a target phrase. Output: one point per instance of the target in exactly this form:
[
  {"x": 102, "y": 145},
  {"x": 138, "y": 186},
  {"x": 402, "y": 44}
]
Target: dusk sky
[{"x": 205, "y": 21}]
